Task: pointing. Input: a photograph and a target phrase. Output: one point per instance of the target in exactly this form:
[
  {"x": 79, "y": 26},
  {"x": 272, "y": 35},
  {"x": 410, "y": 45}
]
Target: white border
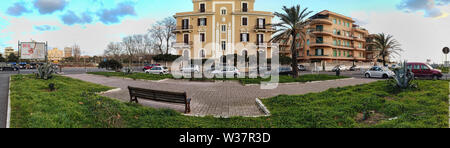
[{"x": 8, "y": 115}]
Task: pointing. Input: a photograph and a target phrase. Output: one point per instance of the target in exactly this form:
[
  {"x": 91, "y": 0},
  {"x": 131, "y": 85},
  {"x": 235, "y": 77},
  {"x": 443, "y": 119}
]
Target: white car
[
  {"x": 379, "y": 72},
  {"x": 158, "y": 70},
  {"x": 227, "y": 71},
  {"x": 190, "y": 69}
]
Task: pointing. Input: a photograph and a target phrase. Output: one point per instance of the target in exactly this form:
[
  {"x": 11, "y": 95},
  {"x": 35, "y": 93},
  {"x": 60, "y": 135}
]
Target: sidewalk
[{"x": 4, "y": 90}]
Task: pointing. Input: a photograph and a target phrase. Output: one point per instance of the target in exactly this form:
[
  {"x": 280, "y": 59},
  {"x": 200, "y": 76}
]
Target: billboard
[{"x": 32, "y": 50}]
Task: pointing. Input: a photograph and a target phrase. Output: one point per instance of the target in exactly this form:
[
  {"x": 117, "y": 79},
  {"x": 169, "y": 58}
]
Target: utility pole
[{"x": 446, "y": 50}]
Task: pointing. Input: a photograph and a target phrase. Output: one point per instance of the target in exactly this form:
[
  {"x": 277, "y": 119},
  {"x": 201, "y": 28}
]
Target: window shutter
[
  {"x": 198, "y": 22},
  {"x": 241, "y": 37},
  {"x": 206, "y": 22},
  {"x": 248, "y": 37}
]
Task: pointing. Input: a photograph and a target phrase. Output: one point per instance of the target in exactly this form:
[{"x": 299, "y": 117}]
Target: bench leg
[
  {"x": 188, "y": 108},
  {"x": 134, "y": 100}
]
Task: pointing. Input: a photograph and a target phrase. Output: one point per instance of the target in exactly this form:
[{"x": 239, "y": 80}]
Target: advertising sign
[{"x": 32, "y": 50}]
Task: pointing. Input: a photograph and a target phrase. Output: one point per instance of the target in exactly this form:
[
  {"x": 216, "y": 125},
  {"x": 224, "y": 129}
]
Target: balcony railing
[
  {"x": 264, "y": 28},
  {"x": 183, "y": 44},
  {"x": 184, "y": 28}
]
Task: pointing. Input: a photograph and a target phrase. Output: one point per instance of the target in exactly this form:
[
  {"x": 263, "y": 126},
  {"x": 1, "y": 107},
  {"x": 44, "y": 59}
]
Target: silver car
[{"x": 379, "y": 72}]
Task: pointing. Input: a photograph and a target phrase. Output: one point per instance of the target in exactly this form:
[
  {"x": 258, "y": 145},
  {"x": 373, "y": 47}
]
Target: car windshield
[{"x": 430, "y": 67}]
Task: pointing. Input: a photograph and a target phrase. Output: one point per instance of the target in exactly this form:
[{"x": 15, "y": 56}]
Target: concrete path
[
  {"x": 220, "y": 98},
  {"x": 4, "y": 90}
]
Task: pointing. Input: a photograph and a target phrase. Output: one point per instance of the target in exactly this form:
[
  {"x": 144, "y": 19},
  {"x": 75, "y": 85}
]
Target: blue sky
[{"x": 94, "y": 23}]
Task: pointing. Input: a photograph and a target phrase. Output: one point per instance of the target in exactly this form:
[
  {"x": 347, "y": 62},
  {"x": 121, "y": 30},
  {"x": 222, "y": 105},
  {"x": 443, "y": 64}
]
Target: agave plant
[
  {"x": 404, "y": 77},
  {"x": 45, "y": 71}
]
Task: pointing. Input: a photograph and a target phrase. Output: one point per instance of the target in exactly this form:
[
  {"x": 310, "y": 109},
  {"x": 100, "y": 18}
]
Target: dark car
[
  {"x": 301, "y": 68},
  {"x": 150, "y": 66},
  {"x": 285, "y": 70},
  {"x": 422, "y": 70},
  {"x": 9, "y": 68}
]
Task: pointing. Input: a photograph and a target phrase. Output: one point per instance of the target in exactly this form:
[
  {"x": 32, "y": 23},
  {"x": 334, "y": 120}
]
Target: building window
[
  {"x": 261, "y": 23},
  {"x": 307, "y": 52},
  {"x": 185, "y": 24},
  {"x": 307, "y": 42},
  {"x": 186, "y": 38},
  {"x": 202, "y": 8},
  {"x": 245, "y": 37},
  {"x": 202, "y": 37},
  {"x": 202, "y": 22},
  {"x": 244, "y": 7},
  {"x": 319, "y": 52},
  {"x": 260, "y": 38},
  {"x": 224, "y": 45},
  {"x": 335, "y": 21},
  {"x": 223, "y": 11},
  {"x": 244, "y": 21},
  {"x": 224, "y": 28},
  {"x": 319, "y": 40},
  {"x": 202, "y": 54},
  {"x": 334, "y": 53}
]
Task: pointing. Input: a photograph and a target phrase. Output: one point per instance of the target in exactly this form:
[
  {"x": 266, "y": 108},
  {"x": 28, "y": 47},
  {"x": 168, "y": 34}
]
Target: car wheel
[
  {"x": 367, "y": 75},
  {"x": 385, "y": 76},
  {"x": 161, "y": 73},
  {"x": 435, "y": 77}
]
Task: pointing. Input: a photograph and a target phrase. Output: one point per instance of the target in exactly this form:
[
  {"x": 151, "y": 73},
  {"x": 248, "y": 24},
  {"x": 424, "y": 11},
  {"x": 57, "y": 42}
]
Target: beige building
[
  {"x": 10, "y": 50},
  {"x": 333, "y": 38},
  {"x": 55, "y": 55},
  {"x": 68, "y": 52},
  {"x": 219, "y": 27}
]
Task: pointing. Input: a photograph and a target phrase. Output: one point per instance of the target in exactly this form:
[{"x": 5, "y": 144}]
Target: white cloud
[
  {"x": 421, "y": 37},
  {"x": 92, "y": 38}
]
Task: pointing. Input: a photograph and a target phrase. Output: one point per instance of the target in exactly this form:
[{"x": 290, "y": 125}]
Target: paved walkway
[
  {"x": 219, "y": 99},
  {"x": 4, "y": 90}
]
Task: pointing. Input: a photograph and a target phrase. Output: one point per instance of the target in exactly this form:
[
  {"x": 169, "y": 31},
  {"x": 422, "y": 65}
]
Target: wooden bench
[{"x": 162, "y": 96}]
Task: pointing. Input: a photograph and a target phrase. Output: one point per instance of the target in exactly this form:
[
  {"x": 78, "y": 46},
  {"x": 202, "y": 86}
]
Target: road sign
[{"x": 446, "y": 50}]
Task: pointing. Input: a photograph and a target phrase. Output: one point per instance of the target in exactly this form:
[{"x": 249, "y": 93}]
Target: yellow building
[
  {"x": 55, "y": 55},
  {"x": 333, "y": 38},
  {"x": 222, "y": 27},
  {"x": 9, "y": 51},
  {"x": 68, "y": 52}
]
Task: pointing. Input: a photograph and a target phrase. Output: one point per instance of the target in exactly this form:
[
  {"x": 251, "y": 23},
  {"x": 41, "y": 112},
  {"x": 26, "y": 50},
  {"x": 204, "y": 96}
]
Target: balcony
[
  {"x": 324, "y": 21},
  {"x": 321, "y": 32},
  {"x": 264, "y": 28},
  {"x": 321, "y": 44},
  {"x": 183, "y": 44},
  {"x": 181, "y": 29}
]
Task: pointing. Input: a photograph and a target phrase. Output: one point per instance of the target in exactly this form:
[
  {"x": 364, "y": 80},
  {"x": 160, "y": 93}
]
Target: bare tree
[
  {"x": 114, "y": 49},
  {"x": 169, "y": 25},
  {"x": 76, "y": 52},
  {"x": 129, "y": 48},
  {"x": 157, "y": 33}
]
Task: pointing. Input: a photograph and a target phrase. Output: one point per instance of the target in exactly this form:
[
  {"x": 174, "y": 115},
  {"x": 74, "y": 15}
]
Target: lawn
[
  {"x": 283, "y": 78},
  {"x": 75, "y": 104}
]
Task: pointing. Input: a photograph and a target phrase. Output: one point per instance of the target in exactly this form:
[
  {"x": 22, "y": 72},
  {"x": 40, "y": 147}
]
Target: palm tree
[
  {"x": 387, "y": 45},
  {"x": 293, "y": 22}
]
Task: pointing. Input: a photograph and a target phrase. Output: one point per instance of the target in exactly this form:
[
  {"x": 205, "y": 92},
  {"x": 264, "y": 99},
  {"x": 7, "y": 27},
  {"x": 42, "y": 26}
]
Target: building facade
[
  {"x": 55, "y": 55},
  {"x": 9, "y": 51},
  {"x": 332, "y": 38},
  {"x": 222, "y": 27},
  {"x": 68, "y": 52}
]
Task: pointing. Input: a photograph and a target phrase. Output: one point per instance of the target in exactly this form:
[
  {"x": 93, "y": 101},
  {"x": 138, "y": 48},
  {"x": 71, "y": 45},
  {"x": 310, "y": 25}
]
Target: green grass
[
  {"x": 75, "y": 104},
  {"x": 283, "y": 78}
]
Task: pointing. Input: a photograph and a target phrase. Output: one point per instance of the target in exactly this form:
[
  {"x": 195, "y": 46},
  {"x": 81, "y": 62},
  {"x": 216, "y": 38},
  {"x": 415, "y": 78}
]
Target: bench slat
[{"x": 156, "y": 95}]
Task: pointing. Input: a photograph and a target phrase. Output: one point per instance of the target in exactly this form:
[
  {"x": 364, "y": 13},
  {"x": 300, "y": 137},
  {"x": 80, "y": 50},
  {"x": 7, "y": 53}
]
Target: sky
[{"x": 421, "y": 26}]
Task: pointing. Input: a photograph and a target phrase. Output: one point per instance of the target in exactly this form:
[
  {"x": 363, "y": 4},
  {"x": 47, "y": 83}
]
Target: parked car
[
  {"x": 423, "y": 70},
  {"x": 190, "y": 69},
  {"x": 158, "y": 70},
  {"x": 355, "y": 68},
  {"x": 379, "y": 72},
  {"x": 301, "y": 68},
  {"x": 227, "y": 71},
  {"x": 394, "y": 66},
  {"x": 150, "y": 66},
  {"x": 285, "y": 71},
  {"x": 340, "y": 67}
]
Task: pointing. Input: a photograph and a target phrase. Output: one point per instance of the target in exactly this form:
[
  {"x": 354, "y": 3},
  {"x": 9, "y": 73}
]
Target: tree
[
  {"x": 387, "y": 45},
  {"x": 114, "y": 49},
  {"x": 76, "y": 52},
  {"x": 157, "y": 33},
  {"x": 2, "y": 59},
  {"x": 13, "y": 58},
  {"x": 110, "y": 64},
  {"x": 169, "y": 25},
  {"x": 293, "y": 22},
  {"x": 129, "y": 47}
]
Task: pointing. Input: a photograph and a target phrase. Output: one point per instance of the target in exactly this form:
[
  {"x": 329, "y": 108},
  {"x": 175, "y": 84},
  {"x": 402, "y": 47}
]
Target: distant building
[
  {"x": 55, "y": 55},
  {"x": 68, "y": 52},
  {"x": 10, "y": 50}
]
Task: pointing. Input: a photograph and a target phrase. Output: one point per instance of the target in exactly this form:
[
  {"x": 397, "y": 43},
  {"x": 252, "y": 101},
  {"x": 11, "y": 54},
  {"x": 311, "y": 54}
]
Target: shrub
[{"x": 111, "y": 64}]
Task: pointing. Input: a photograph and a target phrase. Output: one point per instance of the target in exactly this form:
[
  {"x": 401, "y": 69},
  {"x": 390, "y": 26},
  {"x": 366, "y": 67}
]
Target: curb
[
  {"x": 262, "y": 107},
  {"x": 311, "y": 82},
  {"x": 8, "y": 115},
  {"x": 110, "y": 91}
]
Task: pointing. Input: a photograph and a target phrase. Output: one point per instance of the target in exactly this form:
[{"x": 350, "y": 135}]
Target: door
[
  {"x": 426, "y": 71},
  {"x": 417, "y": 70},
  {"x": 186, "y": 39}
]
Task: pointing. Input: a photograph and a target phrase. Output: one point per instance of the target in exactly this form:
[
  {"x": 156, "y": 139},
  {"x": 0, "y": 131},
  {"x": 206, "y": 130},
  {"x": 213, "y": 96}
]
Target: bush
[
  {"x": 165, "y": 57},
  {"x": 111, "y": 64}
]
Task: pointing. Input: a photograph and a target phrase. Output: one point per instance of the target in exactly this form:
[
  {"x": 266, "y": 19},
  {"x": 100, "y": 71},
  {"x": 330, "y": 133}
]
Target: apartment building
[
  {"x": 9, "y": 51},
  {"x": 332, "y": 38},
  {"x": 55, "y": 55},
  {"x": 68, "y": 52},
  {"x": 223, "y": 27}
]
